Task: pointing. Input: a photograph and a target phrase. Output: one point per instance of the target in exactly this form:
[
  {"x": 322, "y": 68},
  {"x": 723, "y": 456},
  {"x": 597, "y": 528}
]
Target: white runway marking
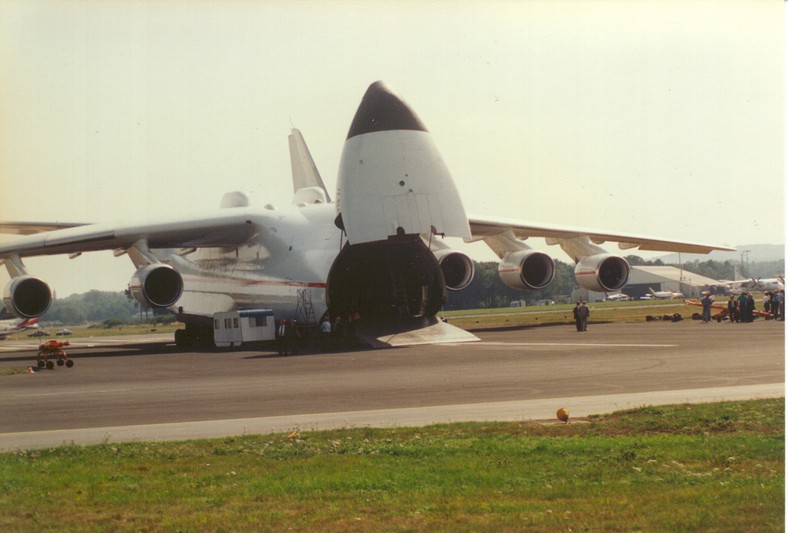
[
  {"x": 72, "y": 393},
  {"x": 580, "y": 344}
]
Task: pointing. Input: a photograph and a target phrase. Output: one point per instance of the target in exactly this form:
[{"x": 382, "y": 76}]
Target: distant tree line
[{"x": 100, "y": 306}]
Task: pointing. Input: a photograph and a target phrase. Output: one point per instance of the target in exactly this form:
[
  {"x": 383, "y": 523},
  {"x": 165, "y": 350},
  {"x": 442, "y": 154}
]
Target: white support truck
[{"x": 233, "y": 328}]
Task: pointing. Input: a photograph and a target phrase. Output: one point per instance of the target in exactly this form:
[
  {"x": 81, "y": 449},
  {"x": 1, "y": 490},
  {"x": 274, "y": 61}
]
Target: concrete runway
[{"x": 142, "y": 388}]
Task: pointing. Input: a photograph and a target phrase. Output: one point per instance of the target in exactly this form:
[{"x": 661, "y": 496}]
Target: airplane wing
[
  {"x": 488, "y": 228},
  {"x": 227, "y": 227},
  {"x": 28, "y": 228}
]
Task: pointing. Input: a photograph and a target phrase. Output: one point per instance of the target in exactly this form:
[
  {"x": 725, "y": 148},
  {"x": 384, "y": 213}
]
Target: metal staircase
[{"x": 304, "y": 312}]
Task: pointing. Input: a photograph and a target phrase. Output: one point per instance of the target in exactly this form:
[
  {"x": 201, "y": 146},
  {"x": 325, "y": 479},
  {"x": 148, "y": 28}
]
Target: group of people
[
  {"x": 774, "y": 303},
  {"x": 341, "y": 335},
  {"x": 581, "y": 313},
  {"x": 742, "y": 308}
]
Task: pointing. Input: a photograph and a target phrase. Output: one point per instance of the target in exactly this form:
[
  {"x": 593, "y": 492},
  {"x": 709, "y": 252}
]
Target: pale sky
[{"x": 660, "y": 118}]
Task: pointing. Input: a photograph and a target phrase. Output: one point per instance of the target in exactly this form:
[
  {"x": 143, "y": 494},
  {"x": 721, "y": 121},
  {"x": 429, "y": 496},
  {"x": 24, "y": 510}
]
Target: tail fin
[
  {"x": 27, "y": 323},
  {"x": 305, "y": 173}
]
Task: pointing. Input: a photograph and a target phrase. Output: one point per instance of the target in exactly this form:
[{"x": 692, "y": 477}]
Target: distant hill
[{"x": 757, "y": 253}]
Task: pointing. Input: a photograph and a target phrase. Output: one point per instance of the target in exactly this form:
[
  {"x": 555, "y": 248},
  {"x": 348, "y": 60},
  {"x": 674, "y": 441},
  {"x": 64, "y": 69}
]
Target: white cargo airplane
[
  {"x": 7, "y": 327},
  {"x": 376, "y": 252}
]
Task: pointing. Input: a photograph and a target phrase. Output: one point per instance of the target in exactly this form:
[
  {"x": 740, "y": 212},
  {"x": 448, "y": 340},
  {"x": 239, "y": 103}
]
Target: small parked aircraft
[
  {"x": 7, "y": 327},
  {"x": 666, "y": 295}
]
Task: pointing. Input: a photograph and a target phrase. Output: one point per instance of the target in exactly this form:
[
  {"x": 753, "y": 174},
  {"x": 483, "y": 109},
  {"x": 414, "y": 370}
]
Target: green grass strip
[{"x": 713, "y": 467}]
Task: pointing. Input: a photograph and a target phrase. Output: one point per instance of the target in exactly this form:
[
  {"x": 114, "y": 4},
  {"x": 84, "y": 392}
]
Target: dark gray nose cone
[{"x": 382, "y": 110}]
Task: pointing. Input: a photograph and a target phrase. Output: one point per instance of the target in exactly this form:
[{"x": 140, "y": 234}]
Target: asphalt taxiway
[{"x": 144, "y": 388}]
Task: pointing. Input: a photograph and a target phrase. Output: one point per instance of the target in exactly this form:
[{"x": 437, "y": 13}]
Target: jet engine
[
  {"x": 156, "y": 285},
  {"x": 602, "y": 272},
  {"x": 527, "y": 270},
  {"x": 27, "y": 297},
  {"x": 457, "y": 268}
]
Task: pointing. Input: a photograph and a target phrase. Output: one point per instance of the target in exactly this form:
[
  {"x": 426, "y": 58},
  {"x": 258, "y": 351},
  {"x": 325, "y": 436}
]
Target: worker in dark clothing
[
  {"x": 743, "y": 307},
  {"x": 750, "y": 307},
  {"x": 293, "y": 337},
  {"x": 576, "y": 314},
  {"x": 775, "y": 304},
  {"x": 706, "y": 301},
  {"x": 584, "y": 313},
  {"x": 733, "y": 311},
  {"x": 338, "y": 332}
]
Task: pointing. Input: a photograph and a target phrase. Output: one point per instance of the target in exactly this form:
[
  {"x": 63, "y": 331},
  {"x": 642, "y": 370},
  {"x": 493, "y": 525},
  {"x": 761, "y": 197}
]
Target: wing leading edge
[
  {"x": 29, "y": 228},
  {"x": 226, "y": 228},
  {"x": 484, "y": 228}
]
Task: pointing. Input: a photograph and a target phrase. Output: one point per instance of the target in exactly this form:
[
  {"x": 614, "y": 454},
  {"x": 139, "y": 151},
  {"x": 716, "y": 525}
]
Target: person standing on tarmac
[
  {"x": 742, "y": 307},
  {"x": 750, "y": 307},
  {"x": 584, "y": 313},
  {"x": 732, "y": 311},
  {"x": 706, "y": 302},
  {"x": 338, "y": 332},
  {"x": 325, "y": 334},
  {"x": 293, "y": 337},
  {"x": 281, "y": 337},
  {"x": 576, "y": 314}
]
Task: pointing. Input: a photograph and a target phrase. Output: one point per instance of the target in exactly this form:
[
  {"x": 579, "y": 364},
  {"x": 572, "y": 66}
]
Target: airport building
[{"x": 658, "y": 278}]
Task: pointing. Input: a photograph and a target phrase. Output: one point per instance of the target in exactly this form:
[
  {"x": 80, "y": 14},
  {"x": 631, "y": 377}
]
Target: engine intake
[
  {"x": 527, "y": 270},
  {"x": 602, "y": 272},
  {"x": 156, "y": 285},
  {"x": 457, "y": 268},
  {"x": 27, "y": 297}
]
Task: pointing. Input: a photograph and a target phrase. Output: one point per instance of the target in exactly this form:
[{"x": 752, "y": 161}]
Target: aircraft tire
[
  {"x": 60, "y": 362},
  {"x": 50, "y": 365},
  {"x": 69, "y": 363}
]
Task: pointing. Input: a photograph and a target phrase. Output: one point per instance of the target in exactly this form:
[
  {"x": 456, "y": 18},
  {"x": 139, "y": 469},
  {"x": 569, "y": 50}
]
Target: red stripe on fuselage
[{"x": 306, "y": 284}]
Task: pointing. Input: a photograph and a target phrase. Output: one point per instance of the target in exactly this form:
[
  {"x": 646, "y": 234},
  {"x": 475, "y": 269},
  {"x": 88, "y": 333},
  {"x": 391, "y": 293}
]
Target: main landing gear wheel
[{"x": 194, "y": 337}]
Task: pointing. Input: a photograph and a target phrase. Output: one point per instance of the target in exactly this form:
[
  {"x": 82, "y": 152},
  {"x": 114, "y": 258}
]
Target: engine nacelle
[
  {"x": 156, "y": 285},
  {"x": 457, "y": 268},
  {"x": 602, "y": 272},
  {"x": 27, "y": 297},
  {"x": 527, "y": 270}
]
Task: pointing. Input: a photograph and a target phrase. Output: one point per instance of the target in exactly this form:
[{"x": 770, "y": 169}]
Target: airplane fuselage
[
  {"x": 299, "y": 254},
  {"x": 292, "y": 252}
]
